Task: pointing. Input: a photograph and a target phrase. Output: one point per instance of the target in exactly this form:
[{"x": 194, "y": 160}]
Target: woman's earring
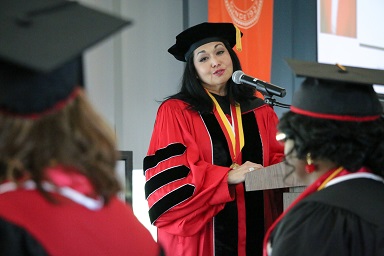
[{"x": 310, "y": 166}]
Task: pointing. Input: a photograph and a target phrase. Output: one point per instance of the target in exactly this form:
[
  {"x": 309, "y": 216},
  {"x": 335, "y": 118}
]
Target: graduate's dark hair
[
  {"x": 348, "y": 144},
  {"x": 194, "y": 94}
]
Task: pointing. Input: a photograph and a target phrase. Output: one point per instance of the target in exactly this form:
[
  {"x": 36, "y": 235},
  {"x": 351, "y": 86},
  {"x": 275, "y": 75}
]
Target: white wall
[{"x": 150, "y": 73}]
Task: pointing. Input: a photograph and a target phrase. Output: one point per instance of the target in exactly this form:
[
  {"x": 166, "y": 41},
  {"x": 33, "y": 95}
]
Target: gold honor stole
[{"x": 233, "y": 131}]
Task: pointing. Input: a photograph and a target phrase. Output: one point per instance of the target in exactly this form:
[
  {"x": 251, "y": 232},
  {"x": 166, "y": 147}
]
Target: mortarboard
[
  {"x": 193, "y": 37},
  {"x": 40, "y": 50},
  {"x": 336, "y": 92}
]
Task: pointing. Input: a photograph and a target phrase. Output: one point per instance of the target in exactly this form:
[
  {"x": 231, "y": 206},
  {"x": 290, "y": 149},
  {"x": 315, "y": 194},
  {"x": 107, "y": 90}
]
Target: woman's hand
[{"x": 237, "y": 174}]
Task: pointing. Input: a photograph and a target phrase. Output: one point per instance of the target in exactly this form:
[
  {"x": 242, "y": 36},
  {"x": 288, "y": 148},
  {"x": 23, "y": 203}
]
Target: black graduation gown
[{"x": 344, "y": 219}]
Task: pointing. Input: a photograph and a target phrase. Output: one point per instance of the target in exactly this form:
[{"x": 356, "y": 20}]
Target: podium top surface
[{"x": 271, "y": 177}]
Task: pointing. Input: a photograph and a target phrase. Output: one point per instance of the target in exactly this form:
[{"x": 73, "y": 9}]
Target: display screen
[{"x": 350, "y": 32}]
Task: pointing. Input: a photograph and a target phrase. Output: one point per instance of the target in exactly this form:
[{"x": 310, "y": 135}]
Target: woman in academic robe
[{"x": 205, "y": 139}]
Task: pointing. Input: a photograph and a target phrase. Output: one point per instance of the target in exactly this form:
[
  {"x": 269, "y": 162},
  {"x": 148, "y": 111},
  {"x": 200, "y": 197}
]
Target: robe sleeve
[
  {"x": 184, "y": 191},
  {"x": 267, "y": 121}
]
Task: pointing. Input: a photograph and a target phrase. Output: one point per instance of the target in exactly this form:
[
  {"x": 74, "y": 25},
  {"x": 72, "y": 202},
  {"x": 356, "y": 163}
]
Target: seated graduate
[
  {"x": 334, "y": 142},
  {"x": 58, "y": 187}
]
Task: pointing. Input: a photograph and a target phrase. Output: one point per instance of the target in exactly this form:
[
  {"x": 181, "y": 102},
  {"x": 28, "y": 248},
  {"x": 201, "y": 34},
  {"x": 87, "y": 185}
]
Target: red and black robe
[{"x": 190, "y": 201}]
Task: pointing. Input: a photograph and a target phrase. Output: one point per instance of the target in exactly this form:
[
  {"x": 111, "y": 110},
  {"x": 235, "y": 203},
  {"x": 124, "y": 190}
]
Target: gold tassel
[{"x": 238, "y": 39}]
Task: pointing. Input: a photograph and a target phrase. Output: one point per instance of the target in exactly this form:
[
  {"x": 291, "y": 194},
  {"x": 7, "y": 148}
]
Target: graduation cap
[
  {"x": 206, "y": 32},
  {"x": 40, "y": 51},
  {"x": 336, "y": 92}
]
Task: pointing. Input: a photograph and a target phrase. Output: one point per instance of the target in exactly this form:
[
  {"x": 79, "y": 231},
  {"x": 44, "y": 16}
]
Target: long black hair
[
  {"x": 348, "y": 144},
  {"x": 194, "y": 94}
]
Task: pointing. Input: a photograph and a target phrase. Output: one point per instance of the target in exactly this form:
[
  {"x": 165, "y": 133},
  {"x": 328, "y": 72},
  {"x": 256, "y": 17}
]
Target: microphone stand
[{"x": 271, "y": 101}]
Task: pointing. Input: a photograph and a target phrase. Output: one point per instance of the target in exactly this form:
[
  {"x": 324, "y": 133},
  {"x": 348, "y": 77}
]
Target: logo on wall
[{"x": 244, "y": 16}]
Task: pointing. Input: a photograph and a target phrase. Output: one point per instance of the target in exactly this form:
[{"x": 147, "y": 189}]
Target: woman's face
[{"x": 214, "y": 66}]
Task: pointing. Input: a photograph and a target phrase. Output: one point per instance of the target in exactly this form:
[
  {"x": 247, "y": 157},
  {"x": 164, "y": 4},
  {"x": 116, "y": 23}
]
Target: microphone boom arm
[{"x": 272, "y": 102}]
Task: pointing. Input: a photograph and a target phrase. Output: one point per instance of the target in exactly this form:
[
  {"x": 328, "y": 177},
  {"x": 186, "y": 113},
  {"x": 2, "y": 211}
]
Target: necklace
[{"x": 330, "y": 177}]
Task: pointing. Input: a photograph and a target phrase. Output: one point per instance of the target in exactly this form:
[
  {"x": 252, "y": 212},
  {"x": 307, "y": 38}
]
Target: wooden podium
[{"x": 274, "y": 177}]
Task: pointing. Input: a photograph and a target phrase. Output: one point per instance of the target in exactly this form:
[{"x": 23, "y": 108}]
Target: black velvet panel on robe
[{"x": 226, "y": 221}]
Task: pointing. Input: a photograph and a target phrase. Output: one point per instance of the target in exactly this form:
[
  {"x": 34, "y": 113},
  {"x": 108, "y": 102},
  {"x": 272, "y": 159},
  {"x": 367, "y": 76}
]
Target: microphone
[{"x": 265, "y": 88}]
